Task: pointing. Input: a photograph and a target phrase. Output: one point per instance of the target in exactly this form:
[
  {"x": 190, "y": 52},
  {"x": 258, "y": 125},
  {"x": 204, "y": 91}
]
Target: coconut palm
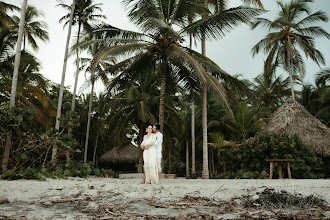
[
  {"x": 14, "y": 81},
  {"x": 270, "y": 89},
  {"x": 33, "y": 29},
  {"x": 289, "y": 35},
  {"x": 220, "y": 7},
  {"x": 60, "y": 97},
  {"x": 6, "y": 21},
  {"x": 84, "y": 16}
]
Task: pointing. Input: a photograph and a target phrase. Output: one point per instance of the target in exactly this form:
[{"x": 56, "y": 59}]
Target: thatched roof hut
[
  {"x": 128, "y": 154},
  {"x": 293, "y": 118}
]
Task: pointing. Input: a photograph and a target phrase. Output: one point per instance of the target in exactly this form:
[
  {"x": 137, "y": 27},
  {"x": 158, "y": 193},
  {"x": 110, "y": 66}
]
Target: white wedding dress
[{"x": 150, "y": 161}]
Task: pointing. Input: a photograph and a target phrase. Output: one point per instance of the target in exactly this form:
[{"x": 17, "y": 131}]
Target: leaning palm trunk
[
  {"x": 14, "y": 82},
  {"x": 290, "y": 71},
  {"x": 89, "y": 119},
  {"x": 205, "y": 171},
  {"x": 60, "y": 97}
]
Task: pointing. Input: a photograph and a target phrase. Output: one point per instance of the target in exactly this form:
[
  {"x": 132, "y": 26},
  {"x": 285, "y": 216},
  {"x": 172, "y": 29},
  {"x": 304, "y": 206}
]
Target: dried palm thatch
[
  {"x": 127, "y": 154},
  {"x": 293, "y": 119}
]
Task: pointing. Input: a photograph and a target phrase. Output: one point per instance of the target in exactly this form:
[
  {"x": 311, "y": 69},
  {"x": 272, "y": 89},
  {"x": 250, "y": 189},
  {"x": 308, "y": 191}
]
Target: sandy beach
[{"x": 108, "y": 198}]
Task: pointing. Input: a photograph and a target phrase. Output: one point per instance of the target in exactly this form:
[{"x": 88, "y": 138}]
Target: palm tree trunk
[
  {"x": 60, "y": 98},
  {"x": 163, "y": 70},
  {"x": 205, "y": 171},
  {"x": 73, "y": 101},
  {"x": 187, "y": 159},
  {"x": 193, "y": 147},
  {"x": 290, "y": 71},
  {"x": 14, "y": 82},
  {"x": 89, "y": 120},
  {"x": 169, "y": 161},
  {"x": 96, "y": 142}
]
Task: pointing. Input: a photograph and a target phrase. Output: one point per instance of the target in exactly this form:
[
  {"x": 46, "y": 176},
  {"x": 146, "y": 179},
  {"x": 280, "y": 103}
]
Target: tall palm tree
[
  {"x": 84, "y": 16},
  {"x": 60, "y": 98},
  {"x": 33, "y": 28},
  {"x": 14, "y": 81},
  {"x": 160, "y": 43},
  {"x": 219, "y": 7},
  {"x": 289, "y": 34}
]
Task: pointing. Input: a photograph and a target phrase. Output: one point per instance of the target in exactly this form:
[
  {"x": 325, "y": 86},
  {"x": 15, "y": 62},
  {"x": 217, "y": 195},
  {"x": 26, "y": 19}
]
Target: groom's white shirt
[{"x": 158, "y": 144}]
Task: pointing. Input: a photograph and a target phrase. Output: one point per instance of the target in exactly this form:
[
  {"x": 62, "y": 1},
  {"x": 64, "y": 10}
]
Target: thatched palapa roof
[
  {"x": 127, "y": 154},
  {"x": 293, "y": 119}
]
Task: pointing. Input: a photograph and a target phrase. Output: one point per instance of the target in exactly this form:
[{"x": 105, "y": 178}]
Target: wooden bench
[{"x": 272, "y": 161}]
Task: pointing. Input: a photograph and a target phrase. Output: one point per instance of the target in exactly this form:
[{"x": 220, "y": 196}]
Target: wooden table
[{"x": 272, "y": 161}]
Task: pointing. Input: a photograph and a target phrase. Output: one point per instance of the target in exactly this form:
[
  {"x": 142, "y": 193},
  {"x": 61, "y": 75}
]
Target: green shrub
[{"x": 250, "y": 157}]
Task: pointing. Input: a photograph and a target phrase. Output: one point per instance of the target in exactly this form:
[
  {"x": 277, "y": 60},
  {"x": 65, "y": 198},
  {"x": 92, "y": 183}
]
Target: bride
[{"x": 149, "y": 157}]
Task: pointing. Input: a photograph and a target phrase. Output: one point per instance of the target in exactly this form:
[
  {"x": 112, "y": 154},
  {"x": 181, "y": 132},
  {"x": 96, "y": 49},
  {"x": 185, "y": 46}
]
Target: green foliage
[
  {"x": 248, "y": 159},
  {"x": 74, "y": 169}
]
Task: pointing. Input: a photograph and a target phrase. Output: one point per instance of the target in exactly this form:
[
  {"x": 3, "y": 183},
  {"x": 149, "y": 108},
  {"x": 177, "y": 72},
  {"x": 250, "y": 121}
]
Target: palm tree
[
  {"x": 248, "y": 120},
  {"x": 161, "y": 44},
  {"x": 271, "y": 89},
  {"x": 84, "y": 15},
  {"x": 14, "y": 81},
  {"x": 60, "y": 98},
  {"x": 96, "y": 71},
  {"x": 6, "y": 21},
  {"x": 33, "y": 28},
  {"x": 220, "y": 7},
  {"x": 288, "y": 34}
]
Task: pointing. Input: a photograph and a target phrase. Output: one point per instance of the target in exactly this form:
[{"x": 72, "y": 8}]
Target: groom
[{"x": 158, "y": 144}]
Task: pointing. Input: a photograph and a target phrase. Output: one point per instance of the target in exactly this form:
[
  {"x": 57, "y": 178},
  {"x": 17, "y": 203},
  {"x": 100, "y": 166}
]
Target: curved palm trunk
[
  {"x": 193, "y": 147},
  {"x": 88, "y": 121},
  {"x": 60, "y": 98},
  {"x": 205, "y": 171},
  {"x": 14, "y": 82},
  {"x": 290, "y": 71}
]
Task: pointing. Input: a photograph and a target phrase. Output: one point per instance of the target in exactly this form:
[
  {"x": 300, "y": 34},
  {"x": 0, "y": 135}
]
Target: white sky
[{"x": 232, "y": 53}]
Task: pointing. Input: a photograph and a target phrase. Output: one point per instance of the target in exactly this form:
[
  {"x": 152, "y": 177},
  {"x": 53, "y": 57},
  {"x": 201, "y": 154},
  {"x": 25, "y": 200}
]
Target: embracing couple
[{"x": 152, "y": 154}]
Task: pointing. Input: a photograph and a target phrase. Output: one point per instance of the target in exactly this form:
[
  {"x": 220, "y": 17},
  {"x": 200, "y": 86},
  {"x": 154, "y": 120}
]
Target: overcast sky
[{"x": 232, "y": 53}]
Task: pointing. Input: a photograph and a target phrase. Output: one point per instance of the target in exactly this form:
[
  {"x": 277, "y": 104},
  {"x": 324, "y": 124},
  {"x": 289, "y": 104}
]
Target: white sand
[{"x": 36, "y": 199}]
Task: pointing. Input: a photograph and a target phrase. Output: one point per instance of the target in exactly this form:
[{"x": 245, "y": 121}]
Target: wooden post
[
  {"x": 271, "y": 170},
  {"x": 280, "y": 174},
  {"x": 289, "y": 171}
]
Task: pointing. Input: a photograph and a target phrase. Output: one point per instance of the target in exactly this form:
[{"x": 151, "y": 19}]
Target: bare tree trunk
[
  {"x": 205, "y": 171},
  {"x": 187, "y": 159},
  {"x": 89, "y": 120},
  {"x": 193, "y": 147},
  {"x": 14, "y": 82},
  {"x": 140, "y": 150},
  {"x": 60, "y": 98},
  {"x": 290, "y": 71},
  {"x": 96, "y": 142}
]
